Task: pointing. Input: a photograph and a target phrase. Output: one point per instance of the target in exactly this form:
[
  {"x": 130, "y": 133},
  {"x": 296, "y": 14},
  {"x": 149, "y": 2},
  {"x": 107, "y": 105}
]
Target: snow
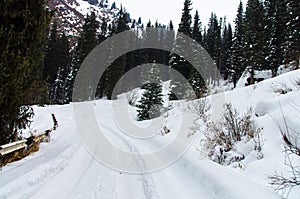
[{"x": 64, "y": 168}]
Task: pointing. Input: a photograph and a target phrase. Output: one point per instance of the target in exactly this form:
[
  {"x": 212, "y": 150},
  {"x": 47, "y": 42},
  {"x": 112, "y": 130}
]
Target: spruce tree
[
  {"x": 60, "y": 92},
  {"x": 196, "y": 80},
  {"x": 197, "y": 31},
  {"x": 178, "y": 62},
  {"x": 151, "y": 102},
  {"x": 276, "y": 16},
  {"x": 237, "y": 65},
  {"x": 51, "y": 61},
  {"x": 213, "y": 38},
  {"x": 86, "y": 43},
  {"x": 227, "y": 51},
  {"x": 57, "y": 65},
  {"x": 102, "y": 37},
  {"x": 255, "y": 38},
  {"x": 23, "y": 27},
  {"x": 117, "y": 69},
  {"x": 293, "y": 39}
]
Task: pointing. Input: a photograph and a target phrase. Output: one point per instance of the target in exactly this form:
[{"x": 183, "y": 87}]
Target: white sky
[{"x": 164, "y": 10}]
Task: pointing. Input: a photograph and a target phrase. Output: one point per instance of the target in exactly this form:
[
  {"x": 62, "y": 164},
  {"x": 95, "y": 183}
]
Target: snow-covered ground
[{"x": 64, "y": 168}]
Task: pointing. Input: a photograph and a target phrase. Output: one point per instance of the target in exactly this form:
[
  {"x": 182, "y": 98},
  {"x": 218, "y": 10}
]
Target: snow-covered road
[{"x": 64, "y": 168}]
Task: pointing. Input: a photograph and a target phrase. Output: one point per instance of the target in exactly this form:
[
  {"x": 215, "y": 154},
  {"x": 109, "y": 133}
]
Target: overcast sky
[{"x": 164, "y": 10}]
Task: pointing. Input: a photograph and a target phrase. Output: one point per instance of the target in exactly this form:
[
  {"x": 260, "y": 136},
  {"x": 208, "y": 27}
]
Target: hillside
[
  {"x": 68, "y": 168},
  {"x": 70, "y": 14}
]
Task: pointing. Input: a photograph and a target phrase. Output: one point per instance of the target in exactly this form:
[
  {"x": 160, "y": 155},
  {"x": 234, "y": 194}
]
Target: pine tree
[
  {"x": 197, "y": 31},
  {"x": 178, "y": 62},
  {"x": 293, "y": 39},
  {"x": 51, "y": 61},
  {"x": 213, "y": 39},
  {"x": 86, "y": 43},
  {"x": 113, "y": 6},
  {"x": 237, "y": 65},
  {"x": 102, "y": 37},
  {"x": 255, "y": 38},
  {"x": 60, "y": 92},
  {"x": 227, "y": 51},
  {"x": 196, "y": 80},
  {"x": 57, "y": 66},
  {"x": 151, "y": 102},
  {"x": 276, "y": 16},
  {"x": 117, "y": 69},
  {"x": 23, "y": 27},
  {"x": 103, "y": 34},
  {"x": 186, "y": 19}
]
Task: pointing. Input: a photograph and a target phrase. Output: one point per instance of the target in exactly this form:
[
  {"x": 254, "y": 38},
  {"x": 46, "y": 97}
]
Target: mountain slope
[{"x": 70, "y": 14}]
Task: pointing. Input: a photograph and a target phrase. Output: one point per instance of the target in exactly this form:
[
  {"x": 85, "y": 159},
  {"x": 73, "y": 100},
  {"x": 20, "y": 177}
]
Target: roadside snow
[{"x": 64, "y": 169}]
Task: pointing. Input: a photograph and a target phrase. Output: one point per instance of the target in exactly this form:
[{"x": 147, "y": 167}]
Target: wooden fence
[{"x": 22, "y": 148}]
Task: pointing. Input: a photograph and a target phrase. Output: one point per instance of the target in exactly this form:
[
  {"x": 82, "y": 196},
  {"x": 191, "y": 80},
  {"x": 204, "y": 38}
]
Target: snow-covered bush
[
  {"x": 221, "y": 138},
  {"x": 284, "y": 183}
]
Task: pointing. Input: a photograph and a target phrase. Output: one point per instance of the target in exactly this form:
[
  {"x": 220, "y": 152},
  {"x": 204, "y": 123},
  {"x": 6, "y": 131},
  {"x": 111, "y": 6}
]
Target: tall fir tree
[
  {"x": 87, "y": 41},
  {"x": 178, "y": 62},
  {"x": 213, "y": 38},
  {"x": 276, "y": 16},
  {"x": 197, "y": 30},
  {"x": 293, "y": 39},
  {"x": 117, "y": 69},
  {"x": 23, "y": 26},
  {"x": 196, "y": 80},
  {"x": 102, "y": 37},
  {"x": 150, "y": 105},
  {"x": 57, "y": 66},
  {"x": 60, "y": 91},
  {"x": 237, "y": 61},
  {"x": 51, "y": 61},
  {"x": 255, "y": 38},
  {"x": 227, "y": 42}
]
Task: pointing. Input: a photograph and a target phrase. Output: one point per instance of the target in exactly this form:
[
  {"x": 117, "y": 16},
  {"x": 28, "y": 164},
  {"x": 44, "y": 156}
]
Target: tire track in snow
[{"x": 147, "y": 182}]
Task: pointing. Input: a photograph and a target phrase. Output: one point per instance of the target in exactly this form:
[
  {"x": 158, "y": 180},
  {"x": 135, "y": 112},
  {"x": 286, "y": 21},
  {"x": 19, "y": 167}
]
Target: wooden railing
[
  {"x": 12, "y": 147},
  {"x": 7, "y": 150}
]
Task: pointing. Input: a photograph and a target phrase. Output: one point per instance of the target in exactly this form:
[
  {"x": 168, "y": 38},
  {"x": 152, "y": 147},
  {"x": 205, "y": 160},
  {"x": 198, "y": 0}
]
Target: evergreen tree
[
  {"x": 57, "y": 66},
  {"x": 60, "y": 91},
  {"x": 23, "y": 26},
  {"x": 237, "y": 66},
  {"x": 197, "y": 31},
  {"x": 51, "y": 61},
  {"x": 102, "y": 37},
  {"x": 86, "y": 43},
  {"x": 151, "y": 102},
  {"x": 186, "y": 19},
  {"x": 139, "y": 21},
  {"x": 293, "y": 39},
  {"x": 227, "y": 51},
  {"x": 117, "y": 69},
  {"x": 103, "y": 34},
  {"x": 196, "y": 80},
  {"x": 213, "y": 39},
  {"x": 113, "y": 6},
  {"x": 255, "y": 38},
  {"x": 178, "y": 62},
  {"x": 276, "y": 16}
]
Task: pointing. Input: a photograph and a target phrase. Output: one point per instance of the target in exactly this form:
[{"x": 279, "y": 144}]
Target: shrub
[{"x": 220, "y": 138}]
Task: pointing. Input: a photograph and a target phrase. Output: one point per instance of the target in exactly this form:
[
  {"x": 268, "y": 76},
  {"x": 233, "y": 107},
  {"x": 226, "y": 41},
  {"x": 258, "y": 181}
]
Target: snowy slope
[
  {"x": 64, "y": 169},
  {"x": 70, "y": 14}
]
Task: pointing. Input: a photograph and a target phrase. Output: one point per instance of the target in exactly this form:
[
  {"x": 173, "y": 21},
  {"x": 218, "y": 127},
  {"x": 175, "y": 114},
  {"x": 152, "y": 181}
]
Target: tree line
[{"x": 38, "y": 65}]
